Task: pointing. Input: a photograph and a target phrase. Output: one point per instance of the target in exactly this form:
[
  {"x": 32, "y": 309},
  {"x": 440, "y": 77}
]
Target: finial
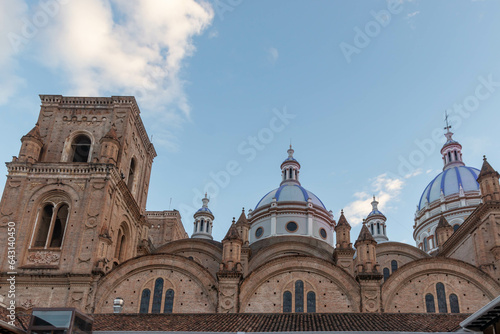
[
  {"x": 342, "y": 211},
  {"x": 234, "y": 220},
  {"x": 364, "y": 221},
  {"x": 448, "y": 126},
  {"x": 243, "y": 209},
  {"x": 205, "y": 194},
  {"x": 484, "y": 158},
  {"x": 374, "y": 198}
]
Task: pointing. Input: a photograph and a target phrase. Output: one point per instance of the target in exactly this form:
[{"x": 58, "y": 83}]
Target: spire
[
  {"x": 205, "y": 201},
  {"x": 243, "y": 218},
  {"x": 290, "y": 168},
  {"x": 112, "y": 133},
  {"x": 486, "y": 169},
  {"x": 374, "y": 204},
  {"x": 452, "y": 150},
  {"x": 364, "y": 235},
  {"x": 232, "y": 233},
  {"x": 443, "y": 223},
  {"x": 35, "y": 132},
  {"x": 342, "y": 220}
]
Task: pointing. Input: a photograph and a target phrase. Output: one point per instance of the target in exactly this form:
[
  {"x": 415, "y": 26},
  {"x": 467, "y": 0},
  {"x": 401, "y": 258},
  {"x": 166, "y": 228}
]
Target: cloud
[
  {"x": 112, "y": 47},
  {"x": 273, "y": 54},
  {"x": 213, "y": 33},
  {"x": 414, "y": 173},
  {"x": 387, "y": 189},
  {"x": 11, "y": 12}
]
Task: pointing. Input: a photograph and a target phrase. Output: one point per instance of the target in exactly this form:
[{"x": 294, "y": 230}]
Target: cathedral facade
[{"x": 77, "y": 194}]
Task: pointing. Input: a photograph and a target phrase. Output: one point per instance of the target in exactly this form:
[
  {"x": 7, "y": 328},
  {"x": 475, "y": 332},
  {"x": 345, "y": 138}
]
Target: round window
[
  {"x": 259, "y": 232},
  {"x": 322, "y": 232},
  {"x": 291, "y": 226}
]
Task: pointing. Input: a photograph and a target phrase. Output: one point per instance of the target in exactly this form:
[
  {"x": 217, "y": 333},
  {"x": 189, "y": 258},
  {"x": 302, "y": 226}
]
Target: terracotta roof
[
  {"x": 342, "y": 220},
  {"x": 365, "y": 235},
  {"x": 232, "y": 234},
  {"x": 443, "y": 223},
  {"x": 486, "y": 169},
  {"x": 375, "y": 322}
]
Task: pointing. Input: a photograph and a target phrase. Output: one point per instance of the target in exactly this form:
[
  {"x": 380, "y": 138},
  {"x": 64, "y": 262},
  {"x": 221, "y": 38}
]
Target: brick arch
[
  {"x": 418, "y": 275},
  {"x": 200, "y": 279},
  {"x": 271, "y": 248},
  {"x": 299, "y": 267}
]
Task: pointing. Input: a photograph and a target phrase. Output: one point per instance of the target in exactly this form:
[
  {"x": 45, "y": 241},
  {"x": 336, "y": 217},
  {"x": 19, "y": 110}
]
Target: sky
[{"x": 359, "y": 88}]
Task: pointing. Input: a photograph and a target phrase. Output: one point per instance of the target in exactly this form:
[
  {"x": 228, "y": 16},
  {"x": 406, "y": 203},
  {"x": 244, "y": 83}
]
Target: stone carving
[
  {"x": 43, "y": 257},
  {"x": 28, "y": 304}
]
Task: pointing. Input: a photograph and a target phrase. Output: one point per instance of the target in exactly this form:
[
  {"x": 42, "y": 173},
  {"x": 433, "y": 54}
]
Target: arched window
[
  {"x": 80, "y": 149},
  {"x": 311, "y": 302},
  {"x": 51, "y": 226},
  {"x": 158, "y": 291},
  {"x": 378, "y": 228},
  {"x": 456, "y": 156},
  {"x": 441, "y": 297},
  {"x": 299, "y": 296},
  {"x": 454, "y": 308},
  {"x": 146, "y": 294},
  {"x": 386, "y": 273},
  {"x": 121, "y": 245},
  {"x": 208, "y": 224},
  {"x": 426, "y": 244},
  {"x": 449, "y": 156},
  {"x": 394, "y": 266},
  {"x": 429, "y": 303},
  {"x": 169, "y": 301},
  {"x": 201, "y": 226},
  {"x": 455, "y": 227},
  {"x": 131, "y": 175},
  {"x": 372, "y": 229},
  {"x": 287, "y": 302}
]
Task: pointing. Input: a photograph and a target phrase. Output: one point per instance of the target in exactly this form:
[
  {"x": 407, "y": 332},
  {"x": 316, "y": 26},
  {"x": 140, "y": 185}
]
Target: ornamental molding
[{"x": 41, "y": 257}]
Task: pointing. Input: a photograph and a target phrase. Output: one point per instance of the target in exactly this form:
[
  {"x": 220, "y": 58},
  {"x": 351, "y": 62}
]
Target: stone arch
[
  {"x": 66, "y": 155},
  {"x": 405, "y": 290},
  {"x": 207, "y": 253},
  {"x": 336, "y": 290},
  {"x": 271, "y": 248},
  {"x": 126, "y": 280},
  {"x": 400, "y": 252}
]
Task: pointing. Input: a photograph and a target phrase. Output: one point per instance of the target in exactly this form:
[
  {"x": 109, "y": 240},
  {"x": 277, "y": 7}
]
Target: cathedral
[{"x": 77, "y": 193}]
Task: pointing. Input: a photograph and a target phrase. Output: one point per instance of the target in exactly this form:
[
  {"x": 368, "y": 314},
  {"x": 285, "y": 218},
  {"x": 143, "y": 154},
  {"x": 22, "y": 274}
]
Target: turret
[
  {"x": 443, "y": 231},
  {"x": 31, "y": 146},
  {"x": 290, "y": 169},
  {"x": 376, "y": 223},
  {"x": 243, "y": 227},
  {"x": 488, "y": 182},
  {"x": 203, "y": 221},
  {"x": 343, "y": 253},
  {"x": 231, "y": 250},
  {"x": 110, "y": 146},
  {"x": 366, "y": 260}
]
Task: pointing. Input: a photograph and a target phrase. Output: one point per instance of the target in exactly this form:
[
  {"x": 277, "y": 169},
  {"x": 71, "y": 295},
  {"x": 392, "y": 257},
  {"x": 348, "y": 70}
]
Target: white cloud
[
  {"x": 11, "y": 12},
  {"x": 273, "y": 54},
  {"x": 414, "y": 173},
  {"x": 213, "y": 33},
  {"x": 134, "y": 48},
  {"x": 410, "y": 15},
  {"x": 386, "y": 189}
]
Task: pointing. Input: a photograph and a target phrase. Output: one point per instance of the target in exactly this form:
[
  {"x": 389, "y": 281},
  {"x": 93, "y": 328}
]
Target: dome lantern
[{"x": 290, "y": 169}]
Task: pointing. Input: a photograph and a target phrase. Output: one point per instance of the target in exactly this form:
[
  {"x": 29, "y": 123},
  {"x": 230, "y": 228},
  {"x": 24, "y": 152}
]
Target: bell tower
[{"x": 77, "y": 195}]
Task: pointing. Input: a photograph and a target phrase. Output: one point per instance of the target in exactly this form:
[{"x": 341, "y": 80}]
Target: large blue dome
[
  {"x": 290, "y": 193},
  {"x": 449, "y": 182}
]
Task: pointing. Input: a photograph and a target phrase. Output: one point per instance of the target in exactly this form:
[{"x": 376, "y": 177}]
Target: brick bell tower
[{"x": 77, "y": 195}]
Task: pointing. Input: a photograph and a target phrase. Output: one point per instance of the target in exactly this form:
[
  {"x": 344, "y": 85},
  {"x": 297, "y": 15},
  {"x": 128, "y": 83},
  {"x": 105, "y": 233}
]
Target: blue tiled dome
[
  {"x": 290, "y": 193},
  {"x": 204, "y": 210},
  {"x": 375, "y": 212},
  {"x": 449, "y": 181}
]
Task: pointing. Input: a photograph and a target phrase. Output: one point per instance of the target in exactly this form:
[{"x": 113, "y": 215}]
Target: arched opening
[
  {"x": 131, "y": 175},
  {"x": 386, "y": 273},
  {"x": 169, "y": 301},
  {"x": 394, "y": 266},
  {"x": 311, "y": 302},
  {"x": 454, "y": 308},
  {"x": 455, "y": 227},
  {"x": 59, "y": 226},
  {"x": 287, "y": 302},
  {"x": 80, "y": 148},
  {"x": 44, "y": 225},
  {"x": 426, "y": 244},
  {"x": 299, "y": 297},
  {"x": 441, "y": 297},
  {"x": 158, "y": 291},
  {"x": 146, "y": 295},
  {"x": 429, "y": 303},
  {"x": 121, "y": 244}
]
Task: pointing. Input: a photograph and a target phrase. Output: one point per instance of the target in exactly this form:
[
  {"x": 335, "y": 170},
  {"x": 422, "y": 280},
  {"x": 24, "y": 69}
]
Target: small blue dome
[
  {"x": 290, "y": 193},
  {"x": 204, "y": 210},
  {"x": 375, "y": 212},
  {"x": 449, "y": 182}
]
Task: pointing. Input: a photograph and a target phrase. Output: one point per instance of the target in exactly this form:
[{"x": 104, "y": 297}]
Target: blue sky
[{"x": 364, "y": 99}]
